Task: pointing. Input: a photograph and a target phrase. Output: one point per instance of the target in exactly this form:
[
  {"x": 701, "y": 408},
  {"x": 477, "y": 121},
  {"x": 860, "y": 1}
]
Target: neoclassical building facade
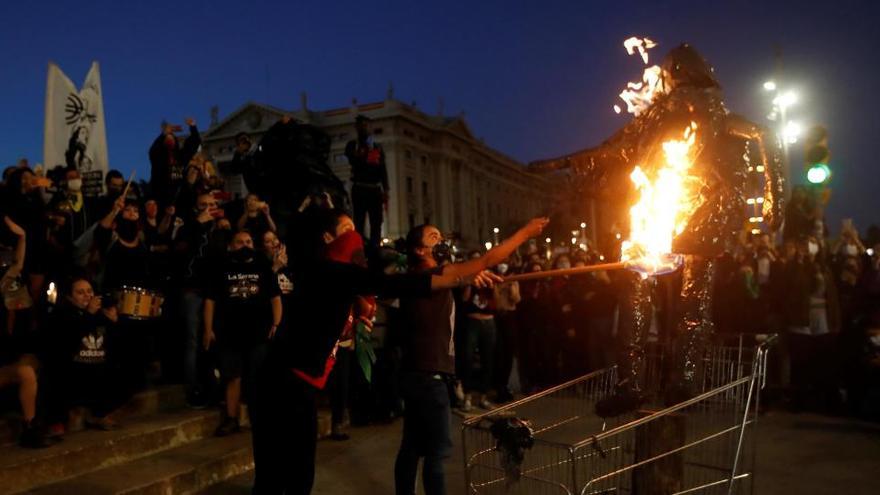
[{"x": 438, "y": 171}]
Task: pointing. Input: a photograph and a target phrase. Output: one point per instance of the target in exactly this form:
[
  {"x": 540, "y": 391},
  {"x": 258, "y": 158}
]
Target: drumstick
[
  {"x": 127, "y": 186},
  {"x": 567, "y": 271}
]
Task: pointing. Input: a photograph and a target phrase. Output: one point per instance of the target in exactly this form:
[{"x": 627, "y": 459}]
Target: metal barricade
[{"x": 703, "y": 445}]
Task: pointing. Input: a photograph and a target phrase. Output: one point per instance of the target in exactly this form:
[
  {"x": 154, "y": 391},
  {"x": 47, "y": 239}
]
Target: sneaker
[
  {"x": 32, "y": 437},
  {"x": 459, "y": 391},
  {"x": 56, "y": 430},
  {"x": 104, "y": 424},
  {"x": 228, "y": 427},
  {"x": 338, "y": 434}
]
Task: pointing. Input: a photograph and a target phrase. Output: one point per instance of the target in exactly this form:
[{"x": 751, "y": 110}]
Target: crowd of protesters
[{"x": 169, "y": 281}]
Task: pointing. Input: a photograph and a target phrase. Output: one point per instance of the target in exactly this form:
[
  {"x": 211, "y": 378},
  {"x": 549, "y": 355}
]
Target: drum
[{"x": 139, "y": 304}]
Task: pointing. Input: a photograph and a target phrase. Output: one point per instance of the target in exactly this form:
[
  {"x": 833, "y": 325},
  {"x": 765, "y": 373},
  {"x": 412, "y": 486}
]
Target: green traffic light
[{"x": 818, "y": 174}]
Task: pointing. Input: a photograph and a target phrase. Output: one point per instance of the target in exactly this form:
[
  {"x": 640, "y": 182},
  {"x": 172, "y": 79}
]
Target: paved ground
[{"x": 798, "y": 454}]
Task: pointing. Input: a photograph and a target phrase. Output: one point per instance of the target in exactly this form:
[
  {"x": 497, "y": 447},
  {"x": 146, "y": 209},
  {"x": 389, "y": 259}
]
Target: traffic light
[{"x": 817, "y": 156}]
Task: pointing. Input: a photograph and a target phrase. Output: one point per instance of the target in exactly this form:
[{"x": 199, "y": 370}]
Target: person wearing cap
[{"x": 369, "y": 178}]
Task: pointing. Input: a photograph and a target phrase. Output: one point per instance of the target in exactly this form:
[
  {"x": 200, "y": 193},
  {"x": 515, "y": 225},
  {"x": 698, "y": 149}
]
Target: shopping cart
[{"x": 703, "y": 445}]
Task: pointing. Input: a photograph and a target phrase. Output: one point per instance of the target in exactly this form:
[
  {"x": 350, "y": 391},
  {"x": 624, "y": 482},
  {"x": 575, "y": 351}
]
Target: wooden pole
[{"x": 566, "y": 272}]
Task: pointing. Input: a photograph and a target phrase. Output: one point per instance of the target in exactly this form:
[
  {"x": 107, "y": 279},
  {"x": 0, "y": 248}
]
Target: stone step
[
  {"x": 188, "y": 469},
  {"x": 151, "y": 401},
  {"x": 86, "y": 451}
]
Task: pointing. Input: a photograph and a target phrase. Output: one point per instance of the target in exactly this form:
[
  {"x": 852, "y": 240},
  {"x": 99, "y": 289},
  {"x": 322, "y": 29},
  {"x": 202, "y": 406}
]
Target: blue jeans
[
  {"x": 191, "y": 305},
  {"x": 426, "y": 433}
]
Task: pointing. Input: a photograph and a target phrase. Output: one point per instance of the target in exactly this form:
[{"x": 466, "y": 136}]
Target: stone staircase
[{"x": 163, "y": 448}]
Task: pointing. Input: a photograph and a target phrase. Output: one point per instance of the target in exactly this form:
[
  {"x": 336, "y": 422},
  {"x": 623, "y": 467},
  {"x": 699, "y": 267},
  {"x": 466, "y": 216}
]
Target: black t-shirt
[
  {"x": 319, "y": 308},
  {"x": 242, "y": 293},
  {"x": 129, "y": 266},
  {"x": 428, "y": 327}
]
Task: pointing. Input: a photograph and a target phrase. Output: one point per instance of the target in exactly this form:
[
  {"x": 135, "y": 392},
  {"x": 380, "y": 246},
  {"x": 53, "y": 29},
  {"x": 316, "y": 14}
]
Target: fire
[
  {"x": 667, "y": 199},
  {"x": 639, "y": 95}
]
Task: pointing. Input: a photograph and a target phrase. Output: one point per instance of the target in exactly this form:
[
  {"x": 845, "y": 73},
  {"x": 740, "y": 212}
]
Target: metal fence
[{"x": 703, "y": 445}]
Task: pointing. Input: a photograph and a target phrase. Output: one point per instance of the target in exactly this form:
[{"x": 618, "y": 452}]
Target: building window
[
  {"x": 427, "y": 220},
  {"x": 408, "y": 154},
  {"x": 424, "y": 189},
  {"x": 412, "y": 221},
  {"x": 409, "y": 185},
  {"x": 424, "y": 159}
]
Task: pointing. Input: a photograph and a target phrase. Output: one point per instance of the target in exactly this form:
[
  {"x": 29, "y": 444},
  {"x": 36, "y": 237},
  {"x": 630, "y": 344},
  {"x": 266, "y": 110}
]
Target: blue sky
[{"x": 535, "y": 79}]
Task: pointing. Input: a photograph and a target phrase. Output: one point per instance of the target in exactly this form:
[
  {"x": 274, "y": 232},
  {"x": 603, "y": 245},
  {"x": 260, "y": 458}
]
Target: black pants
[
  {"x": 813, "y": 381},
  {"x": 425, "y": 434},
  {"x": 93, "y": 386},
  {"x": 285, "y": 433},
  {"x": 339, "y": 385},
  {"x": 479, "y": 334},
  {"x": 505, "y": 349},
  {"x": 133, "y": 348},
  {"x": 368, "y": 201}
]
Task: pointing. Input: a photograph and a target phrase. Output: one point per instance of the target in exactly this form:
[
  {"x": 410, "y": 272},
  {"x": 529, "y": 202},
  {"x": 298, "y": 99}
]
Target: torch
[{"x": 646, "y": 267}]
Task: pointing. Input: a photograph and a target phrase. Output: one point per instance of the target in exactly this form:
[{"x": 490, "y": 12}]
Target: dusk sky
[{"x": 535, "y": 79}]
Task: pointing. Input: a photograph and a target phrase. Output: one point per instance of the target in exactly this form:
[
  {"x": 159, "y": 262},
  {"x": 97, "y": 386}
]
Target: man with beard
[
  {"x": 243, "y": 305},
  {"x": 429, "y": 353}
]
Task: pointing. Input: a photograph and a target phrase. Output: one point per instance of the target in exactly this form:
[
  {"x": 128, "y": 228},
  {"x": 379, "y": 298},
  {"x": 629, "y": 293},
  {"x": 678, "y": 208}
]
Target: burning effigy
[{"x": 687, "y": 158}]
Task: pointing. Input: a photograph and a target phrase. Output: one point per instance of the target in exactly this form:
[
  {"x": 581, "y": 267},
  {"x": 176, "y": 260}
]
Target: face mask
[
  {"x": 852, "y": 250},
  {"x": 127, "y": 230},
  {"x": 441, "y": 252},
  {"x": 347, "y": 248},
  {"x": 502, "y": 268},
  {"x": 243, "y": 255},
  {"x": 75, "y": 185},
  {"x": 813, "y": 248}
]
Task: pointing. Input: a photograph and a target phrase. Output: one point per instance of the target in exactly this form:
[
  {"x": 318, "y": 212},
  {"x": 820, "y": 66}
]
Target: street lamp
[
  {"x": 782, "y": 100},
  {"x": 791, "y": 131}
]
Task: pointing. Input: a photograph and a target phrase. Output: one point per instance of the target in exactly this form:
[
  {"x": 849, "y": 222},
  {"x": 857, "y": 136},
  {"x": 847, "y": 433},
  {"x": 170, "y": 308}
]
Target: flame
[
  {"x": 639, "y": 95},
  {"x": 666, "y": 201},
  {"x": 641, "y": 44}
]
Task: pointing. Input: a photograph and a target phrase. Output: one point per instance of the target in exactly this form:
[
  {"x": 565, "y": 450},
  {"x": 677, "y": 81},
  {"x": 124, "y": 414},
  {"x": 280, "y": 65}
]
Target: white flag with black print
[{"x": 74, "y": 129}]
